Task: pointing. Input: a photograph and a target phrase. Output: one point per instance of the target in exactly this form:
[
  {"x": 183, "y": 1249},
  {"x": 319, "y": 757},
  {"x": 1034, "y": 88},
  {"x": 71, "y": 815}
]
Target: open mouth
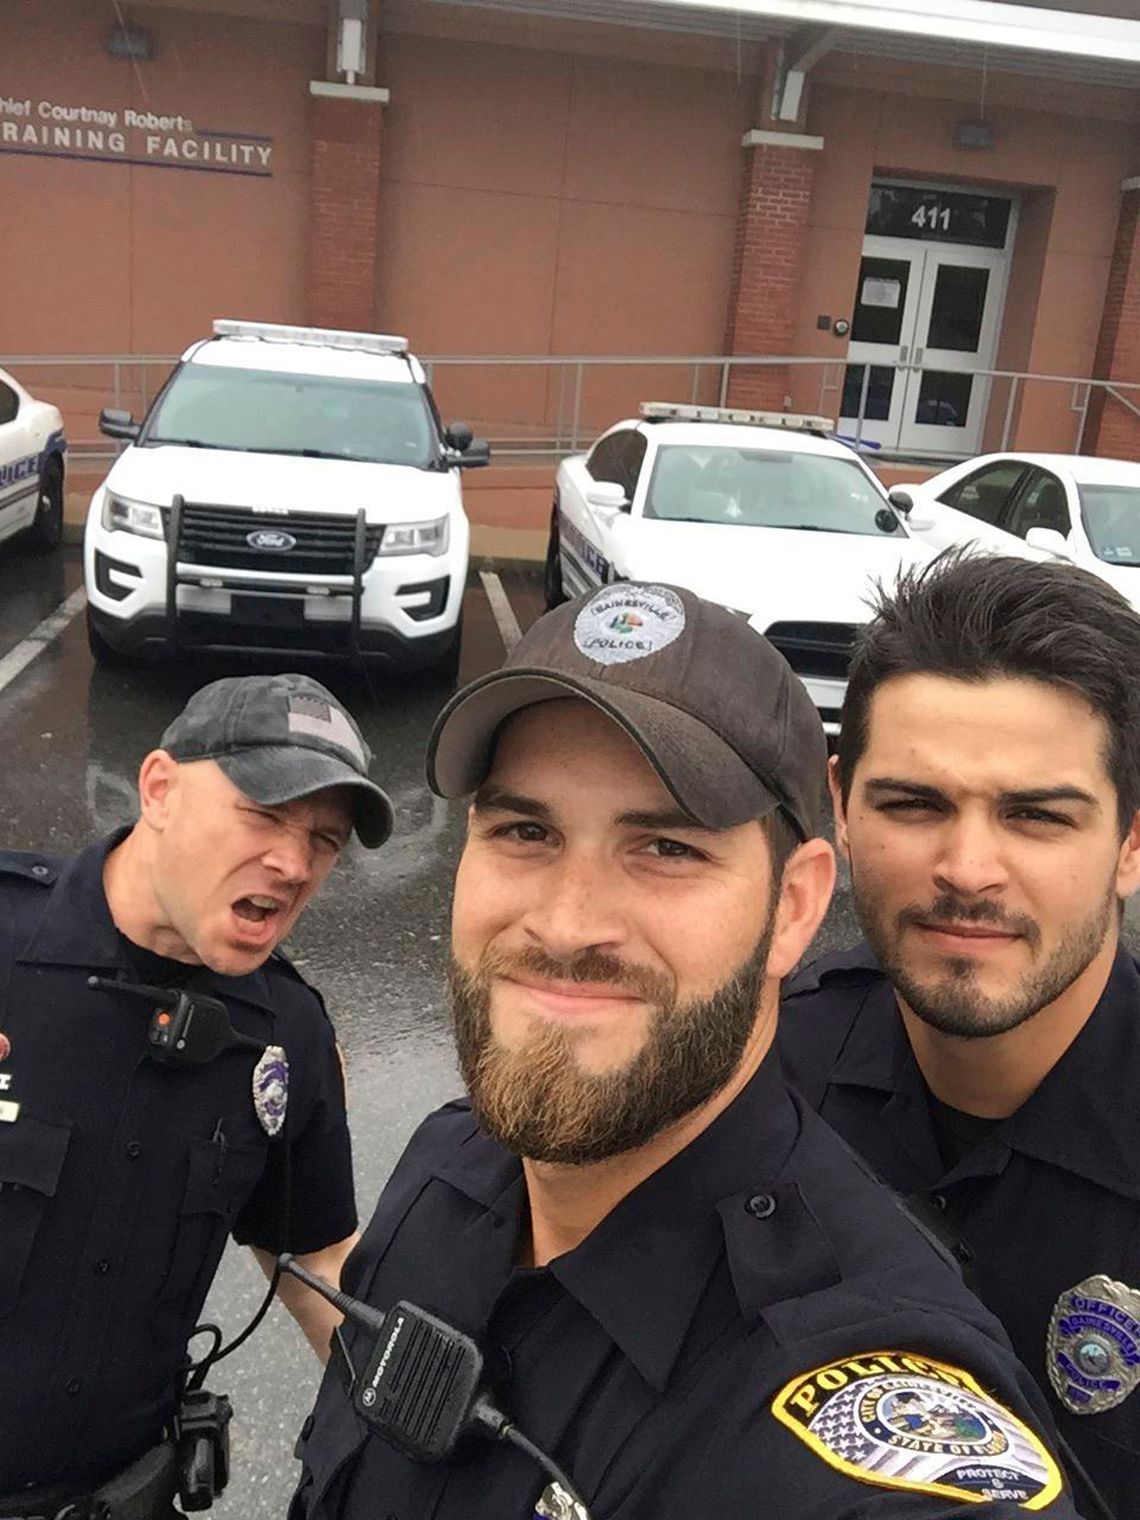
[{"x": 257, "y": 911}]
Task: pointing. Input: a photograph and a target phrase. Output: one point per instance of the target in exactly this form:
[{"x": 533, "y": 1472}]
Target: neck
[
  {"x": 128, "y": 885},
  {"x": 993, "y": 1076},
  {"x": 568, "y": 1202}
]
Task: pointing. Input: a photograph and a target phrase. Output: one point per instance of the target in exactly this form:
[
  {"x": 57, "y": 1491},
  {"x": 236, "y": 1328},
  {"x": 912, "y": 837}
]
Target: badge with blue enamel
[
  {"x": 1094, "y": 1344},
  {"x": 271, "y": 1089}
]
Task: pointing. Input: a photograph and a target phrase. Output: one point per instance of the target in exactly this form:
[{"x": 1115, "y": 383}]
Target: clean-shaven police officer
[
  {"x": 698, "y": 1301},
  {"x": 983, "y": 1048},
  {"x": 121, "y": 1175}
]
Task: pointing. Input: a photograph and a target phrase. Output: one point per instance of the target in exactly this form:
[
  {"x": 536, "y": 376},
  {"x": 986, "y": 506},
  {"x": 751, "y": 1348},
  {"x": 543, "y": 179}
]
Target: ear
[
  {"x": 809, "y": 879},
  {"x": 837, "y": 806},
  {"x": 158, "y": 787},
  {"x": 1128, "y": 861}
]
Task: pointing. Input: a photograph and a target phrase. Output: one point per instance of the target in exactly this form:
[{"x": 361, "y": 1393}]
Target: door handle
[
  {"x": 918, "y": 353},
  {"x": 903, "y": 352}
]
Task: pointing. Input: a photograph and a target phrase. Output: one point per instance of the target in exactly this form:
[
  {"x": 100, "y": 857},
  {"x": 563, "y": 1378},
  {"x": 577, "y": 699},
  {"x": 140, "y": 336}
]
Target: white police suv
[
  {"x": 764, "y": 512},
  {"x": 32, "y": 446},
  {"x": 290, "y": 489}
]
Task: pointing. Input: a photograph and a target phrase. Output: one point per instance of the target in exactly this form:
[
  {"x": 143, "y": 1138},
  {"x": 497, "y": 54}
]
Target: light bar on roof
[
  {"x": 797, "y": 422},
  {"x": 313, "y": 337}
]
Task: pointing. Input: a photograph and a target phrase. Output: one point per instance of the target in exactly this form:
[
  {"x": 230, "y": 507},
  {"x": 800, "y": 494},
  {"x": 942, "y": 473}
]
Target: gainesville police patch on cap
[
  {"x": 1094, "y": 1344},
  {"x": 628, "y": 623},
  {"x": 898, "y": 1420}
]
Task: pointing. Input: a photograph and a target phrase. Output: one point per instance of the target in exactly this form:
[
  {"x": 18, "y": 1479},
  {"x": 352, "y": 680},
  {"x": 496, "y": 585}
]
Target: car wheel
[
  {"x": 552, "y": 590},
  {"x": 46, "y": 531},
  {"x": 446, "y": 668},
  {"x": 101, "y": 652}
]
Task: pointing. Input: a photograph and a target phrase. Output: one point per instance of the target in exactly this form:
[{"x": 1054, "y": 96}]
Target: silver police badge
[
  {"x": 1094, "y": 1344},
  {"x": 271, "y": 1089},
  {"x": 556, "y": 1504}
]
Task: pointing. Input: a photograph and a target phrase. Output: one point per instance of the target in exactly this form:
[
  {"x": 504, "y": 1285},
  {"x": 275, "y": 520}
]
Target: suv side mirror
[
  {"x": 118, "y": 424},
  {"x": 608, "y": 495},
  {"x": 475, "y": 455},
  {"x": 1050, "y": 540},
  {"x": 458, "y": 437},
  {"x": 901, "y": 498}
]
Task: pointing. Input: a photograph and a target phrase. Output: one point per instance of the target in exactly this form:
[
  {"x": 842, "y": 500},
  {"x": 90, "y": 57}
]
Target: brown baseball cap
[{"x": 714, "y": 708}]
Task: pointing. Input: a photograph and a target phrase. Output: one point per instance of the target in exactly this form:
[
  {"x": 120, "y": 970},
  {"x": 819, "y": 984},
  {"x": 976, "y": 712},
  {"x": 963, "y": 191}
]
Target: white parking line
[
  {"x": 40, "y": 637},
  {"x": 508, "y": 624}
]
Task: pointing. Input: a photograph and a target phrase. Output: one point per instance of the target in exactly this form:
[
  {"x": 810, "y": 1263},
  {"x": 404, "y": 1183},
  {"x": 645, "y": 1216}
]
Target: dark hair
[{"x": 984, "y": 617}]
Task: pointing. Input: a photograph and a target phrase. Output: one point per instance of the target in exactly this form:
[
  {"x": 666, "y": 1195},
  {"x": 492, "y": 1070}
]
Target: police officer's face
[
  {"x": 985, "y": 850},
  {"x": 231, "y": 876},
  {"x": 612, "y": 960}
]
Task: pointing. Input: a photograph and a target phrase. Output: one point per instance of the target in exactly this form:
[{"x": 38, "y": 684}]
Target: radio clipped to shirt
[{"x": 186, "y": 1028}]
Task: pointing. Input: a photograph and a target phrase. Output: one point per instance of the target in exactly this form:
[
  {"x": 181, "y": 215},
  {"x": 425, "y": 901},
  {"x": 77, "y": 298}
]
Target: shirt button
[
  {"x": 39, "y": 870},
  {"x": 102, "y": 1268},
  {"x": 762, "y": 1206},
  {"x": 134, "y": 1149},
  {"x": 74, "y": 1386},
  {"x": 963, "y": 1253},
  {"x": 939, "y": 1201}
]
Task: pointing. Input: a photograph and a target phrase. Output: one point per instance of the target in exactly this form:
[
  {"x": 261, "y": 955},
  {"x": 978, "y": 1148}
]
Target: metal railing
[{"x": 535, "y": 408}]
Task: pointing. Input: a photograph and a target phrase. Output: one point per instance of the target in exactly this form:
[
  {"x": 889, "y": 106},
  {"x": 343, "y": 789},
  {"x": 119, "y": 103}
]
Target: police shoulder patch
[{"x": 899, "y": 1420}]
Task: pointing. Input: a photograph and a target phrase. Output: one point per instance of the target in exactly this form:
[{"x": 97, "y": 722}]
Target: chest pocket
[
  {"x": 32, "y": 1153},
  {"x": 218, "y": 1183}
]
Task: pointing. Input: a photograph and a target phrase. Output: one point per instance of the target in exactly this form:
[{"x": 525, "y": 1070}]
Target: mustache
[
  {"x": 949, "y": 909},
  {"x": 589, "y": 965}
]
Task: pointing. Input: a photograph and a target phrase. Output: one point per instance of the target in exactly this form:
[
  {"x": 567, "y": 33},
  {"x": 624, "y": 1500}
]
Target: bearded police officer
[
  {"x": 693, "y": 1300},
  {"x": 983, "y": 1048},
  {"x": 129, "y": 1148}
]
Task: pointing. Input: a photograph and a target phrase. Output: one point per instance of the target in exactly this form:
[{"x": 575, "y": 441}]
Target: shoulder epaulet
[
  {"x": 41, "y": 869},
  {"x": 855, "y": 966}
]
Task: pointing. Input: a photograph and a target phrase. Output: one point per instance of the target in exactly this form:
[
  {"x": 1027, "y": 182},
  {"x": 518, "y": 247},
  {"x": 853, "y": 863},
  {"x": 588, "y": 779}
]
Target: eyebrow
[
  {"x": 1028, "y": 797},
  {"x": 491, "y": 800}
]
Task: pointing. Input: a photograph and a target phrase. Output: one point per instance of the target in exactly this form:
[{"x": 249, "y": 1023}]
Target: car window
[
  {"x": 604, "y": 461},
  {"x": 631, "y": 455},
  {"x": 9, "y": 403},
  {"x": 765, "y": 488},
  {"x": 1040, "y": 503},
  {"x": 984, "y": 493},
  {"x": 377, "y": 421},
  {"x": 1111, "y": 515}
]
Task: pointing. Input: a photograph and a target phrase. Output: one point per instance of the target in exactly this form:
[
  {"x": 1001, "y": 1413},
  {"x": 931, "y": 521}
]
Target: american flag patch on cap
[{"x": 310, "y": 715}]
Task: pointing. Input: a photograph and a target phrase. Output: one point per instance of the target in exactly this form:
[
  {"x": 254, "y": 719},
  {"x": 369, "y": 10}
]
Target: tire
[
  {"x": 102, "y": 653},
  {"x": 446, "y": 668},
  {"x": 46, "y": 531},
  {"x": 553, "y": 593}
]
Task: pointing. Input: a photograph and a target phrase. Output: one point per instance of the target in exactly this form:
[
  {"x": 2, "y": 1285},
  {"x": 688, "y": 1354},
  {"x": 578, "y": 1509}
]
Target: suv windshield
[
  {"x": 378, "y": 421},
  {"x": 761, "y": 488},
  {"x": 1112, "y": 522}
]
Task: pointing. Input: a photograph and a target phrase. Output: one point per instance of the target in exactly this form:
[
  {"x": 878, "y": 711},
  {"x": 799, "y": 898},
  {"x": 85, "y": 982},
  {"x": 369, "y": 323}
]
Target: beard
[
  {"x": 954, "y": 1002},
  {"x": 535, "y": 1099}
]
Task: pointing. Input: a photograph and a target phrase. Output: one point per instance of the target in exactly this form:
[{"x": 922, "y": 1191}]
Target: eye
[
  {"x": 906, "y": 806},
  {"x": 1039, "y": 815},
  {"x": 522, "y": 831},
  {"x": 674, "y": 849}
]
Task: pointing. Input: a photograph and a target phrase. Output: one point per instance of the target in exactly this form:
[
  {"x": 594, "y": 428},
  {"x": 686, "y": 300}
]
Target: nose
[
  {"x": 970, "y": 863},
  {"x": 290, "y": 857},
  {"x": 579, "y": 909}
]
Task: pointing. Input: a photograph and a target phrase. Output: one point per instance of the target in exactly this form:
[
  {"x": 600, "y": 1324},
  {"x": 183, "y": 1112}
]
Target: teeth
[{"x": 263, "y": 902}]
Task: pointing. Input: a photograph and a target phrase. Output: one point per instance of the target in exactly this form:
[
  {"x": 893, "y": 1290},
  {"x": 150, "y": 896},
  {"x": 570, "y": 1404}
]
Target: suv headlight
[
  {"x": 417, "y": 538},
  {"x": 132, "y": 516}
]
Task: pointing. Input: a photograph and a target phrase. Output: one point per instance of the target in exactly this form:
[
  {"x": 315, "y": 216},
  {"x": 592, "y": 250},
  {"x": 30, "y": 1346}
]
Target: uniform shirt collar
[
  {"x": 1083, "y": 1117},
  {"x": 76, "y": 929},
  {"x": 679, "y": 1216}
]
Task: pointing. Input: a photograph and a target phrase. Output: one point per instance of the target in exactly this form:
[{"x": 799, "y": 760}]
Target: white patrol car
[
  {"x": 760, "y": 511},
  {"x": 32, "y": 446},
  {"x": 290, "y": 489}
]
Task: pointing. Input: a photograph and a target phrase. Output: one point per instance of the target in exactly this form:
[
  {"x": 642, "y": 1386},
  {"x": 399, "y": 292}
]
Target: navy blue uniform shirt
[
  {"x": 752, "y": 1332},
  {"x": 121, "y": 1179},
  {"x": 1044, "y": 1201}
]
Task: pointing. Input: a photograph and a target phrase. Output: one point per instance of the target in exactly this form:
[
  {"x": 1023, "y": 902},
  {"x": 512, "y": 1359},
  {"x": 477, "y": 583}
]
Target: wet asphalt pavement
[{"x": 373, "y": 941}]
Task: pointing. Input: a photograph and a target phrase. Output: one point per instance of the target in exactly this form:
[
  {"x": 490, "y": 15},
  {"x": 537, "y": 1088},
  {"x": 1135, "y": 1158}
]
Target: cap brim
[
  {"x": 701, "y": 770},
  {"x": 272, "y": 774}
]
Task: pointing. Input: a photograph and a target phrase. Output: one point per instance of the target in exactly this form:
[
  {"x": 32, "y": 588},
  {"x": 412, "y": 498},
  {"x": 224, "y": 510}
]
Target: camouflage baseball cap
[{"x": 278, "y": 738}]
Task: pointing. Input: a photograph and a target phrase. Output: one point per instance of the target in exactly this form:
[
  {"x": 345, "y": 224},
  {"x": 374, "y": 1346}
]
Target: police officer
[
  {"x": 698, "y": 1302},
  {"x": 982, "y": 1049},
  {"x": 121, "y": 1174}
]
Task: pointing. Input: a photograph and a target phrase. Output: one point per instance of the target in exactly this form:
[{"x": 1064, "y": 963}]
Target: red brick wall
[
  {"x": 1113, "y": 431},
  {"x": 343, "y": 199},
  {"x": 771, "y": 234}
]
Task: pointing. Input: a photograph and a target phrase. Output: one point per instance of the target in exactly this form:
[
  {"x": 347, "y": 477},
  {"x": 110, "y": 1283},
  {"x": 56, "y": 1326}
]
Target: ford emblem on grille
[{"x": 270, "y": 538}]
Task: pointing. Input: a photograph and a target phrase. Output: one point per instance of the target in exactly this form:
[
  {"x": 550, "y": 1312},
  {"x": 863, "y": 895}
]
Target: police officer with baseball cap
[
  {"x": 692, "y": 1298},
  {"x": 130, "y": 1149}
]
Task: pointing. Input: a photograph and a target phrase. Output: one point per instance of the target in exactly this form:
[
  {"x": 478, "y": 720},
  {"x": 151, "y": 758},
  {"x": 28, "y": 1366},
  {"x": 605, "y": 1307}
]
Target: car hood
[
  {"x": 388, "y": 492},
  {"x": 773, "y": 573},
  {"x": 1122, "y": 578}
]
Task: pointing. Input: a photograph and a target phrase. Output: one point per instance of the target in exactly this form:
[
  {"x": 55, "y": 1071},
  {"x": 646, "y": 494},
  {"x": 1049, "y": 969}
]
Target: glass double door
[{"x": 926, "y": 317}]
